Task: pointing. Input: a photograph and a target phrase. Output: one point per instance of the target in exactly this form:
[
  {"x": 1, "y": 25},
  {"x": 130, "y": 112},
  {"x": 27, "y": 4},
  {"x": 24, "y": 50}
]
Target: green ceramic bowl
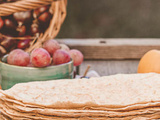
[{"x": 11, "y": 75}]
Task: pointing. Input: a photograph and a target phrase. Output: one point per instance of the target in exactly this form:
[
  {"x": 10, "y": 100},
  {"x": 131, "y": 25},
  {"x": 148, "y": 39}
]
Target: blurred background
[{"x": 112, "y": 19}]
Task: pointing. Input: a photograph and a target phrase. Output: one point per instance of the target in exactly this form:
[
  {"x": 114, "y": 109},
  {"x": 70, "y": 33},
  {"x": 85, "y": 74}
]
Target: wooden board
[
  {"x": 106, "y": 49},
  {"x": 110, "y": 67}
]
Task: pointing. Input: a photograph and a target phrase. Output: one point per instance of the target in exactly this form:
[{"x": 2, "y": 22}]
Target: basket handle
[
  {"x": 55, "y": 24},
  {"x": 22, "y": 5}
]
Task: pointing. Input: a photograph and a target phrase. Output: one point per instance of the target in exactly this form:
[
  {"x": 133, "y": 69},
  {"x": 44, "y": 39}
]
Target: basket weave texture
[{"x": 57, "y": 8}]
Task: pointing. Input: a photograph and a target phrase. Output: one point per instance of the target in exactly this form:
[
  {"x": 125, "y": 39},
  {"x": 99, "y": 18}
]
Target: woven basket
[{"x": 58, "y": 9}]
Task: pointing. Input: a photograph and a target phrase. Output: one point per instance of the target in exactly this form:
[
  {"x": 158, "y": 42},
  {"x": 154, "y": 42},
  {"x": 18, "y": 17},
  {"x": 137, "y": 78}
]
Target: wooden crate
[{"x": 112, "y": 56}]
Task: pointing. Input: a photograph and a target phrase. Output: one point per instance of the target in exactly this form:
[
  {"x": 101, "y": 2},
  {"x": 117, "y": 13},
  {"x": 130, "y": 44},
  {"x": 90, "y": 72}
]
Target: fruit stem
[{"x": 86, "y": 71}]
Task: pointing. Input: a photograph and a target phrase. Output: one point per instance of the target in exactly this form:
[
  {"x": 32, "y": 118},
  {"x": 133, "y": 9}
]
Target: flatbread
[
  {"x": 14, "y": 115},
  {"x": 112, "y": 91},
  {"x": 123, "y": 109},
  {"x": 79, "y": 113},
  {"x": 145, "y": 117},
  {"x": 111, "y": 97}
]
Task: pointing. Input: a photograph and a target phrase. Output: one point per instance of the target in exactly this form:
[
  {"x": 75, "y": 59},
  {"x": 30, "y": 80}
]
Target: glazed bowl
[{"x": 11, "y": 74}]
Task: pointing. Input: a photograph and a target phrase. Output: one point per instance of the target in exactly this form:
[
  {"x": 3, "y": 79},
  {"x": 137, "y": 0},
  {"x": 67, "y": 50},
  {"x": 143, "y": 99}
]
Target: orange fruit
[{"x": 150, "y": 62}]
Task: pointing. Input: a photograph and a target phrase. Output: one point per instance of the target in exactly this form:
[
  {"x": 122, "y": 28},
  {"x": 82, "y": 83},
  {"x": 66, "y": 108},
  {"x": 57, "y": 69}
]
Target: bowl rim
[{"x": 34, "y": 68}]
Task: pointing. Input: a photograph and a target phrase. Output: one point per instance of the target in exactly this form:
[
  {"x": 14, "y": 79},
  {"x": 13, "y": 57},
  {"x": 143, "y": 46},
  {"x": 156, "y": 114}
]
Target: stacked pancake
[{"x": 116, "y": 97}]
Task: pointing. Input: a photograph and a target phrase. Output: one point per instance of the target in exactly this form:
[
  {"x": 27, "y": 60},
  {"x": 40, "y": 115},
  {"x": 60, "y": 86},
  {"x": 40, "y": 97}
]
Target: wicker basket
[{"x": 58, "y": 9}]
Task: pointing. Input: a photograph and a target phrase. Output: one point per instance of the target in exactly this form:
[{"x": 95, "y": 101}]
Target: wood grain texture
[
  {"x": 110, "y": 67},
  {"x": 106, "y": 49}
]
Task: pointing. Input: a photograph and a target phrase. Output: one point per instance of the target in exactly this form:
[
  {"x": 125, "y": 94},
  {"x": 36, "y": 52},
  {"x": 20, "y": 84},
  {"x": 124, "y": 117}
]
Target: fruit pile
[
  {"x": 23, "y": 24},
  {"x": 51, "y": 53}
]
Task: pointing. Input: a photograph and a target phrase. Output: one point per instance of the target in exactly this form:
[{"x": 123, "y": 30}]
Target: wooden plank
[
  {"x": 104, "y": 49},
  {"x": 110, "y": 67}
]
